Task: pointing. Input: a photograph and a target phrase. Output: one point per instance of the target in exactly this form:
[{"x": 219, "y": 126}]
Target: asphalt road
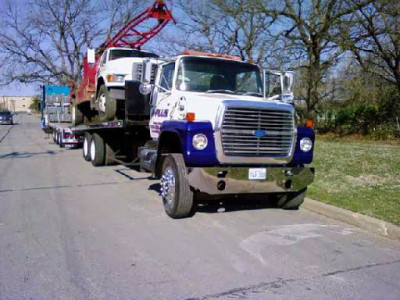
[{"x": 72, "y": 231}]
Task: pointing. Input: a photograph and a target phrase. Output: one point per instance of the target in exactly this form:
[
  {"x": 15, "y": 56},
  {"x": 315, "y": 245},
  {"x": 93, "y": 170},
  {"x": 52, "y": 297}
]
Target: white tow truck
[
  {"x": 100, "y": 93},
  {"x": 207, "y": 124},
  {"x": 115, "y": 67}
]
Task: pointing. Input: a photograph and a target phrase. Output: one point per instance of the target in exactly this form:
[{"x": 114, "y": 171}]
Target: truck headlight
[
  {"x": 115, "y": 78},
  {"x": 305, "y": 144},
  {"x": 200, "y": 141}
]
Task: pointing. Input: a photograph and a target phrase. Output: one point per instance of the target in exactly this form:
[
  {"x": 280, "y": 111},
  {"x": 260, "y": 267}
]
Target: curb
[{"x": 364, "y": 222}]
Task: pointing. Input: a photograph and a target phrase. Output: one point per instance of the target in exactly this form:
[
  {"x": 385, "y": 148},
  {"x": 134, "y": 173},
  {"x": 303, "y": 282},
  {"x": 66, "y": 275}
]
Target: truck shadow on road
[
  {"x": 28, "y": 154},
  {"x": 125, "y": 172},
  {"x": 230, "y": 203}
]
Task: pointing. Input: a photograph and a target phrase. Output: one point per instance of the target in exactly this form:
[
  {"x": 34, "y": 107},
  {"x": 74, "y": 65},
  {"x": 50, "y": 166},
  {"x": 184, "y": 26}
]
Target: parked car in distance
[{"x": 6, "y": 117}]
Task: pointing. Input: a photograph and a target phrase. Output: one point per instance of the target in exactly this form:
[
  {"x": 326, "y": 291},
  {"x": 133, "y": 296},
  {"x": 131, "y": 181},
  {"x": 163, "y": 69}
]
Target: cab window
[
  {"x": 103, "y": 58},
  {"x": 167, "y": 76}
]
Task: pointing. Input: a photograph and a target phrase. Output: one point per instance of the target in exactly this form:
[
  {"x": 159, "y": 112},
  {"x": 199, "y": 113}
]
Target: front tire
[
  {"x": 76, "y": 115},
  {"x": 107, "y": 106},
  {"x": 97, "y": 150},
  {"x": 177, "y": 196},
  {"x": 292, "y": 200}
]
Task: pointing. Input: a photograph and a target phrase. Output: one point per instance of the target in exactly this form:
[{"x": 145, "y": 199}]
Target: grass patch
[{"x": 360, "y": 176}]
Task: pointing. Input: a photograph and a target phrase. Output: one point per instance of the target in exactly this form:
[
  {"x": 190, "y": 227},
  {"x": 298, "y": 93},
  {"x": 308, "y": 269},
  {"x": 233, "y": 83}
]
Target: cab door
[{"x": 161, "y": 99}]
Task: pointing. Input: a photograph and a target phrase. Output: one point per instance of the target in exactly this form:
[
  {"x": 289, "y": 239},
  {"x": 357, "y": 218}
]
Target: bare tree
[
  {"x": 230, "y": 27},
  {"x": 308, "y": 36},
  {"x": 373, "y": 36},
  {"x": 45, "y": 40}
]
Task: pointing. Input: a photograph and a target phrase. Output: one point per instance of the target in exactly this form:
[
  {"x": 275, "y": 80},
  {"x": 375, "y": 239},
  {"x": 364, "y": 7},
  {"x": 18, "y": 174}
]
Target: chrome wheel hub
[
  {"x": 73, "y": 112},
  {"x": 102, "y": 103},
  {"x": 168, "y": 187},
  {"x": 92, "y": 151},
  {"x": 85, "y": 146}
]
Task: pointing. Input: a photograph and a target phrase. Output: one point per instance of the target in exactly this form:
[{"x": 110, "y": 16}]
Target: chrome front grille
[{"x": 257, "y": 132}]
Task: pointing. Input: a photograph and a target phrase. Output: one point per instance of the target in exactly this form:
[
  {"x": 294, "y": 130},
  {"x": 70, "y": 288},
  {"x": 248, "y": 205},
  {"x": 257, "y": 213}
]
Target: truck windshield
[
  {"x": 120, "y": 53},
  {"x": 212, "y": 75}
]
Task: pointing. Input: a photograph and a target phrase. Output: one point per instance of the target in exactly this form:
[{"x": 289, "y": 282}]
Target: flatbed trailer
[{"x": 117, "y": 141}]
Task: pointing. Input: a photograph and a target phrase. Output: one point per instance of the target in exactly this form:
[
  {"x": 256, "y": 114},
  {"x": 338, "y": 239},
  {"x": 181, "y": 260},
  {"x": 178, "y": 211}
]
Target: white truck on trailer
[{"x": 206, "y": 124}]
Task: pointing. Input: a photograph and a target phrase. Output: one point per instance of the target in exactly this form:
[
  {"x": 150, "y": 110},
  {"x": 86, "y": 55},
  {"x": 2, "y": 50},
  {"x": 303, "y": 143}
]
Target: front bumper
[
  {"x": 6, "y": 122},
  {"x": 216, "y": 181}
]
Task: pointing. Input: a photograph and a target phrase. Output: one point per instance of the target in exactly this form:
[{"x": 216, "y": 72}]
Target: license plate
[{"x": 257, "y": 173}]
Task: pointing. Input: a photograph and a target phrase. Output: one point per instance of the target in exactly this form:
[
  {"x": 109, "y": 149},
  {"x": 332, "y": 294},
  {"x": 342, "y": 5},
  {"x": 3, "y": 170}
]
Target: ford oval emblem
[{"x": 260, "y": 133}]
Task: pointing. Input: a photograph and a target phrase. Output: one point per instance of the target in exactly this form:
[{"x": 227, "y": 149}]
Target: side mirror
[
  {"x": 287, "y": 82},
  {"x": 287, "y": 79},
  {"x": 265, "y": 83},
  {"x": 142, "y": 71},
  {"x": 272, "y": 83},
  {"x": 91, "y": 56},
  {"x": 278, "y": 85},
  {"x": 146, "y": 74}
]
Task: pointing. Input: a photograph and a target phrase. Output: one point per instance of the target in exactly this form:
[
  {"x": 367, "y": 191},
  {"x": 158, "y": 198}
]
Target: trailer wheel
[
  {"x": 61, "y": 144},
  {"x": 86, "y": 146},
  {"x": 76, "y": 115},
  {"x": 175, "y": 190},
  {"x": 54, "y": 137},
  {"x": 97, "y": 152},
  {"x": 292, "y": 200},
  {"x": 107, "y": 106},
  {"x": 58, "y": 137}
]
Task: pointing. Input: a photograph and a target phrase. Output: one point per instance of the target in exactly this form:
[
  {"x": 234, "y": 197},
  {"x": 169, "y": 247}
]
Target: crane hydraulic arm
[{"x": 130, "y": 36}]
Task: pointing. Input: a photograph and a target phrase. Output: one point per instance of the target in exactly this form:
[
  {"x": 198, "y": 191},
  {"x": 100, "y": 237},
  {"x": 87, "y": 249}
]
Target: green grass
[{"x": 363, "y": 177}]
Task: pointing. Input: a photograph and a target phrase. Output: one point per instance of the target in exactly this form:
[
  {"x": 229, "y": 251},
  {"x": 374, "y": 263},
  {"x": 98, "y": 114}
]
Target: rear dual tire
[
  {"x": 107, "y": 106},
  {"x": 86, "y": 146},
  {"x": 97, "y": 150}
]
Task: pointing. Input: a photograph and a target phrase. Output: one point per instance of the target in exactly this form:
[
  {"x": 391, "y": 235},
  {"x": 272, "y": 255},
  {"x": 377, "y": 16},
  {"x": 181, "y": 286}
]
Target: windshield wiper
[{"x": 221, "y": 91}]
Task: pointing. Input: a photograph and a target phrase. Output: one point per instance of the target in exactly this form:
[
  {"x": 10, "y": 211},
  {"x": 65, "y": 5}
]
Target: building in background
[{"x": 16, "y": 103}]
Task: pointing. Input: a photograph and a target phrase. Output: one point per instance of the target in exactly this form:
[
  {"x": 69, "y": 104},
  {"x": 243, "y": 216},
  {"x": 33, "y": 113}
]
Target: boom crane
[
  {"x": 134, "y": 34},
  {"x": 131, "y": 37}
]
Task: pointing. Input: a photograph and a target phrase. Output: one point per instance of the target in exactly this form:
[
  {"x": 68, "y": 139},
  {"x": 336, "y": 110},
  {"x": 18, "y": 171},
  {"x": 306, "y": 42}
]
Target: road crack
[
  {"x": 274, "y": 286},
  {"x": 62, "y": 186},
  {"x": 7, "y": 133}
]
